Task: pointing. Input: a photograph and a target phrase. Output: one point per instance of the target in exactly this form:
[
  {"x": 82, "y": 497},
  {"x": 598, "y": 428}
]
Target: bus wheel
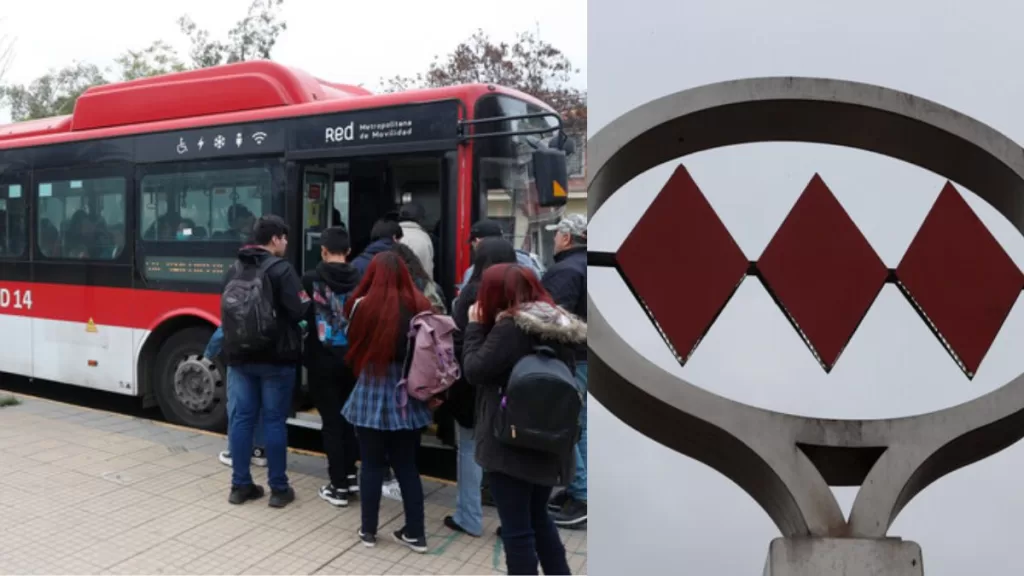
[{"x": 189, "y": 388}]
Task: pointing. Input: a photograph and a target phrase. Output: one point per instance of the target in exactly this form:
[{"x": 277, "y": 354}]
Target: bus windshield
[{"x": 502, "y": 180}]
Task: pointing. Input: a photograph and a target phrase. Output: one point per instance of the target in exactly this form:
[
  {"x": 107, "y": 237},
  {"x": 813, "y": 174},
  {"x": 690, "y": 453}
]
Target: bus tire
[{"x": 190, "y": 390}]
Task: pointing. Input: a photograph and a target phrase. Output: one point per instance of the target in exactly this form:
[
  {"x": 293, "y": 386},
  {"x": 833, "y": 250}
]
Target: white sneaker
[
  {"x": 258, "y": 458},
  {"x": 392, "y": 490}
]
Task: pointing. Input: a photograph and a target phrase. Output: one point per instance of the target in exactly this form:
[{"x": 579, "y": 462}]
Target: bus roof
[{"x": 233, "y": 93}]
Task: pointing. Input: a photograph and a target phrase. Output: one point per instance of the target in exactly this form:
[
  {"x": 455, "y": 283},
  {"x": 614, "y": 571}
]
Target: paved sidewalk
[{"x": 88, "y": 492}]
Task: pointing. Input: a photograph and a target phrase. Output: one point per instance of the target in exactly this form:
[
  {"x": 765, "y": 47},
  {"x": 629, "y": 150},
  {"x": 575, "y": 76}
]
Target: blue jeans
[
  {"x": 469, "y": 512},
  {"x": 254, "y": 389},
  {"x": 578, "y": 488},
  {"x": 527, "y": 531}
]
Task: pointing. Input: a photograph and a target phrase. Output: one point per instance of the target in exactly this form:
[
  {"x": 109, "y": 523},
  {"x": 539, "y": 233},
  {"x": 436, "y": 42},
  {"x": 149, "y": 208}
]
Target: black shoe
[
  {"x": 353, "y": 484},
  {"x": 414, "y": 544},
  {"x": 242, "y": 494},
  {"x": 572, "y": 515},
  {"x": 369, "y": 540},
  {"x": 450, "y": 522},
  {"x": 558, "y": 500},
  {"x": 334, "y": 496},
  {"x": 281, "y": 498}
]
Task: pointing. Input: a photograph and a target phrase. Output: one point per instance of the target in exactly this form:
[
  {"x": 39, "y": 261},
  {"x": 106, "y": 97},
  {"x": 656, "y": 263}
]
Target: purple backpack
[{"x": 431, "y": 366}]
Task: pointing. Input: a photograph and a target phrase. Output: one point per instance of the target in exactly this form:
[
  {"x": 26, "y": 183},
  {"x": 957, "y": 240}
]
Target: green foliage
[
  {"x": 54, "y": 93},
  {"x": 6, "y": 401},
  {"x": 529, "y": 64}
]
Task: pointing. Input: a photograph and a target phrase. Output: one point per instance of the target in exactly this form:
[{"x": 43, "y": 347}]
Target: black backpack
[
  {"x": 540, "y": 405},
  {"x": 247, "y": 312}
]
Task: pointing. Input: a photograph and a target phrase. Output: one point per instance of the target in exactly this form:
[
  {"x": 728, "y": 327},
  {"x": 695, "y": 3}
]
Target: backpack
[
  {"x": 430, "y": 366},
  {"x": 247, "y": 311},
  {"x": 329, "y": 310},
  {"x": 540, "y": 406}
]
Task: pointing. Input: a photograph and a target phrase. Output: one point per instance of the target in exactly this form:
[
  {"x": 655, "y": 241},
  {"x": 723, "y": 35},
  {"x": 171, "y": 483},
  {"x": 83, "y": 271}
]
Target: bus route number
[{"x": 17, "y": 299}]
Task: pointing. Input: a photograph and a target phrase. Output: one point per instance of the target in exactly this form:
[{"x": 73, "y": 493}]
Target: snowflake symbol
[{"x": 218, "y": 142}]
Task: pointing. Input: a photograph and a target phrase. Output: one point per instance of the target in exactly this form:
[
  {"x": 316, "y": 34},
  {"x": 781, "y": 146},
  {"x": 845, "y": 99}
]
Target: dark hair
[
  {"x": 507, "y": 287},
  {"x": 411, "y": 261},
  {"x": 386, "y": 290},
  {"x": 385, "y": 228},
  {"x": 267, "y": 228},
  {"x": 491, "y": 251},
  {"x": 236, "y": 211},
  {"x": 335, "y": 240},
  {"x": 412, "y": 212}
]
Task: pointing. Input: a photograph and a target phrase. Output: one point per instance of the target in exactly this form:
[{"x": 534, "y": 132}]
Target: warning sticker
[{"x": 90, "y": 326}]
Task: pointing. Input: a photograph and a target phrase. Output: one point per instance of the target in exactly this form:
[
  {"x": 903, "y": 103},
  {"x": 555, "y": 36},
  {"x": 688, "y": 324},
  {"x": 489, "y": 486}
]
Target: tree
[
  {"x": 529, "y": 65},
  {"x": 252, "y": 38},
  {"x": 55, "y": 92}
]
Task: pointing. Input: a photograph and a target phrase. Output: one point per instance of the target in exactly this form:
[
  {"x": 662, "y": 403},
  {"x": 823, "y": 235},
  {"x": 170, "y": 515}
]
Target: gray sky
[
  {"x": 352, "y": 42},
  {"x": 653, "y": 509}
]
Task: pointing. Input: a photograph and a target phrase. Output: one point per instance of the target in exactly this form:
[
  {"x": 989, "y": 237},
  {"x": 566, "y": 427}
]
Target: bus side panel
[
  {"x": 95, "y": 356},
  {"x": 15, "y": 343}
]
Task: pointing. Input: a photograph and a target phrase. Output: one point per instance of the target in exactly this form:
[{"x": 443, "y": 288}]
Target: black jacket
[
  {"x": 327, "y": 366},
  {"x": 461, "y": 396},
  {"x": 566, "y": 281},
  {"x": 362, "y": 261},
  {"x": 487, "y": 360},
  {"x": 290, "y": 301}
]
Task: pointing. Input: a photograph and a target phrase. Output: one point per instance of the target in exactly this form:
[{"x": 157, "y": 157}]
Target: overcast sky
[
  {"x": 653, "y": 509},
  {"x": 343, "y": 41}
]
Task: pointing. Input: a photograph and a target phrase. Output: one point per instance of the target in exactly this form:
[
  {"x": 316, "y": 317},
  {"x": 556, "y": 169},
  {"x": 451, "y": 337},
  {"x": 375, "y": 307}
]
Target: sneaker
[
  {"x": 558, "y": 500},
  {"x": 451, "y": 524},
  {"x": 353, "y": 483},
  {"x": 369, "y": 540},
  {"x": 392, "y": 490},
  {"x": 334, "y": 496},
  {"x": 415, "y": 544},
  {"x": 259, "y": 457},
  {"x": 572, "y": 514},
  {"x": 281, "y": 498},
  {"x": 242, "y": 494}
]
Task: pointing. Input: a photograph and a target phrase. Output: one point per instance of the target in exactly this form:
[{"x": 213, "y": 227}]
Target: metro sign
[
  {"x": 824, "y": 276},
  {"x": 821, "y": 271}
]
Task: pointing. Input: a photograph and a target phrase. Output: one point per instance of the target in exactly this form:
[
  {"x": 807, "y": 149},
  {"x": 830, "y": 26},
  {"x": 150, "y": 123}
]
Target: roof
[{"x": 233, "y": 93}]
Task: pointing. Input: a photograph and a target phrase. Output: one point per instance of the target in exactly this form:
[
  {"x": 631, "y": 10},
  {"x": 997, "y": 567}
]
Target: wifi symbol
[{"x": 259, "y": 137}]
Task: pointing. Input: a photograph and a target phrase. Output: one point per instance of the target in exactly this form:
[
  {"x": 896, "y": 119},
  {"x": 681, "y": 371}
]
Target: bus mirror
[{"x": 551, "y": 177}]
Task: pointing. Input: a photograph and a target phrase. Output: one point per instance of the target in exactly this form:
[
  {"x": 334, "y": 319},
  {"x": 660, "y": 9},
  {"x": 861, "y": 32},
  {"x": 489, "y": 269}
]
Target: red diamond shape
[
  {"x": 960, "y": 279},
  {"x": 822, "y": 272},
  {"x": 684, "y": 293}
]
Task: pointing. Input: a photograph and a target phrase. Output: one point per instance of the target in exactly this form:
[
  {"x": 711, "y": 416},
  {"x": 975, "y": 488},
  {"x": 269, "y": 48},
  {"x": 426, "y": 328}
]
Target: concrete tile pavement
[{"x": 88, "y": 492}]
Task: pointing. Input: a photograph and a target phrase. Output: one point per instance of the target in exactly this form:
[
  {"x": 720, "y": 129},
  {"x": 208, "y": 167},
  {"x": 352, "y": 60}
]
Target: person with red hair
[
  {"x": 512, "y": 316},
  {"x": 388, "y": 424}
]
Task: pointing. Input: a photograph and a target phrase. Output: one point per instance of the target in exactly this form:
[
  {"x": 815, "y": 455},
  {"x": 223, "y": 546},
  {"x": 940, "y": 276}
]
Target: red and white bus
[{"x": 118, "y": 221}]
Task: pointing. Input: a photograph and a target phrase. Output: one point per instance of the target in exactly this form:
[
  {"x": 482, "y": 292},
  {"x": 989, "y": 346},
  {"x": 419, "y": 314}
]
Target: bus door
[{"x": 316, "y": 213}]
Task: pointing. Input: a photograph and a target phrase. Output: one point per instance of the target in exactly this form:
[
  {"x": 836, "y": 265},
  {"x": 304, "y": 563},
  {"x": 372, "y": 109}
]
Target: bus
[{"x": 118, "y": 222}]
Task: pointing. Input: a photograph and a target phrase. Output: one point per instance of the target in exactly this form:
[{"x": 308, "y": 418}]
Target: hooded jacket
[
  {"x": 290, "y": 301},
  {"x": 362, "y": 262},
  {"x": 341, "y": 278},
  {"x": 421, "y": 244},
  {"x": 489, "y": 354}
]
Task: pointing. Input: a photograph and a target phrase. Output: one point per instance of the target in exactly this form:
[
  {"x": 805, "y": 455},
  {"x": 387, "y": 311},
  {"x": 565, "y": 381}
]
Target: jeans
[
  {"x": 527, "y": 530},
  {"x": 578, "y": 488},
  {"x": 378, "y": 449},
  {"x": 252, "y": 389},
  {"x": 469, "y": 512}
]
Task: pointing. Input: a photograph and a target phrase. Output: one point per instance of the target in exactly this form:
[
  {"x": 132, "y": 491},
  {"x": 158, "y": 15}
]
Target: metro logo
[{"x": 821, "y": 271}]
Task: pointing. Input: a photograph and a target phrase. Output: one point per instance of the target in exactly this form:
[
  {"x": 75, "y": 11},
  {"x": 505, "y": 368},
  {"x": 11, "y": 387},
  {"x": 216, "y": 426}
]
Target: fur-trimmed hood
[{"x": 548, "y": 322}]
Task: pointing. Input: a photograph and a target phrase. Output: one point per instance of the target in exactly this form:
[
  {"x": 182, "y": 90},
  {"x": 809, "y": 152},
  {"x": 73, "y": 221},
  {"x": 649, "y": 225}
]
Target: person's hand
[{"x": 474, "y": 312}]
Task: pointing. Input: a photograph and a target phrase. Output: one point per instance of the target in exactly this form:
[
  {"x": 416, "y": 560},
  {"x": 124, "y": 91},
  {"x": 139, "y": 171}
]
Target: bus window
[
  {"x": 82, "y": 219},
  {"x": 503, "y": 176},
  {"x": 207, "y": 205},
  {"x": 13, "y": 220}
]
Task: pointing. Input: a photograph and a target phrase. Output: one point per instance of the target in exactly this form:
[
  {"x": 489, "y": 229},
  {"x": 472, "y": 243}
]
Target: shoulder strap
[{"x": 268, "y": 262}]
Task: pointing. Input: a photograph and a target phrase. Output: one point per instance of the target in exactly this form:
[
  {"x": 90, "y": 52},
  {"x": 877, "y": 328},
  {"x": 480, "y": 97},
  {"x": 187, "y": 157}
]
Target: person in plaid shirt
[{"x": 380, "y": 310}]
